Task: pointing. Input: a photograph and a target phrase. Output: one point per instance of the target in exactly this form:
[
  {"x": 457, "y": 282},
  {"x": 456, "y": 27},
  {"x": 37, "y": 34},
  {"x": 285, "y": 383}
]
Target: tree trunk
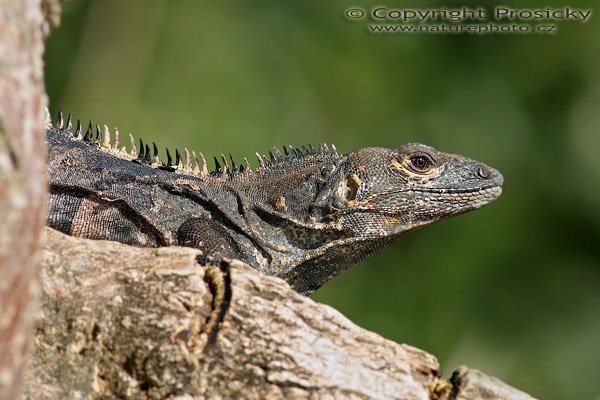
[
  {"x": 22, "y": 183},
  {"x": 135, "y": 323}
]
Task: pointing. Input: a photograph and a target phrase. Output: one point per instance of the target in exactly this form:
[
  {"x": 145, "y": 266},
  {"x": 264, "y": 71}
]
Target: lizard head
[
  {"x": 337, "y": 210},
  {"x": 395, "y": 190}
]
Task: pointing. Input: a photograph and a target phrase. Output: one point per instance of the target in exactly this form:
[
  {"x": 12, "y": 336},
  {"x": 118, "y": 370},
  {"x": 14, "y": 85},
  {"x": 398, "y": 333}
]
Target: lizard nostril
[{"x": 484, "y": 172}]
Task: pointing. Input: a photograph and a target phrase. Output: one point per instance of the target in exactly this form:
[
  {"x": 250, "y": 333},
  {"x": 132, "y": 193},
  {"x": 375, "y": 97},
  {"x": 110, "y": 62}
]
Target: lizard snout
[{"x": 485, "y": 172}]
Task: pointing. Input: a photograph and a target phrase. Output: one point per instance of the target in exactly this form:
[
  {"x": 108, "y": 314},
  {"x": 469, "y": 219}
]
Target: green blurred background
[{"x": 512, "y": 289}]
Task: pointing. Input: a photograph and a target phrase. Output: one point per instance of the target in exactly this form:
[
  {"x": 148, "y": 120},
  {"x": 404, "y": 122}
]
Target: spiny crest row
[{"x": 189, "y": 164}]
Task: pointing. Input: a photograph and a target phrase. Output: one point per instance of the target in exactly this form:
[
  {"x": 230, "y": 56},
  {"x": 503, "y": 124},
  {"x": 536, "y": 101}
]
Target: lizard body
[{"x": 304, "y": 216}]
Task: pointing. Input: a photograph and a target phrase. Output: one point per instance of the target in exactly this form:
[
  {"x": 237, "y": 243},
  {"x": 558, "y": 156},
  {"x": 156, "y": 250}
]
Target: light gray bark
[
  {"x": 136, "y": 323},
  {"x": 22, "y": 183}
]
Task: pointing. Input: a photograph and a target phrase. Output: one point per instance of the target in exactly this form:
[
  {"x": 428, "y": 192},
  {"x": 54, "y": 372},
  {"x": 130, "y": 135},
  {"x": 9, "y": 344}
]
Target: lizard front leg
[{"x": 210, "y": 237}]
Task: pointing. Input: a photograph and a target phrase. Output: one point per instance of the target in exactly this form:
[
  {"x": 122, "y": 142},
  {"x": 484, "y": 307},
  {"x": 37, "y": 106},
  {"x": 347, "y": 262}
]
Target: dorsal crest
[{"x": 190, "y": 162}]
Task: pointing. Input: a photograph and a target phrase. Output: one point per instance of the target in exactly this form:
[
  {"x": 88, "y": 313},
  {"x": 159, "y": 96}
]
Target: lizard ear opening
[
  {"x": 346, "y": 190},
  {"x": 352, "y": 185}
]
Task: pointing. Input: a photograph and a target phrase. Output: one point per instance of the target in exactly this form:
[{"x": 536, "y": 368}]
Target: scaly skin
[{"x": 305, "y": 216}]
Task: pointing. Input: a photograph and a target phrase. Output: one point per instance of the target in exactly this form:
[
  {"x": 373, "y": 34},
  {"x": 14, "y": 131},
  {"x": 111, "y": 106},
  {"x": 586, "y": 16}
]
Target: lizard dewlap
[{"x": 303, "y": 214}]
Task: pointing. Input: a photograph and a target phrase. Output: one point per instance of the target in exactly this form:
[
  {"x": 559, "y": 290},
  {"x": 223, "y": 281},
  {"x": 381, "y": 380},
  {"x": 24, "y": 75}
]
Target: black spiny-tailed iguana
[{"x": 305, "y": 215}]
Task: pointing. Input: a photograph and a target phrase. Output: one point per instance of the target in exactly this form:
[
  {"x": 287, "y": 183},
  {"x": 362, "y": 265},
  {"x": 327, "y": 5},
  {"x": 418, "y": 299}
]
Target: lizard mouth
[
  {"x": 464, "y": 200},
  {"x": 485, "y": 189},
  {"x": 479, "y": 196},
  {"x": 459, "y": 200},
  {"x": 456, "y": 201}
]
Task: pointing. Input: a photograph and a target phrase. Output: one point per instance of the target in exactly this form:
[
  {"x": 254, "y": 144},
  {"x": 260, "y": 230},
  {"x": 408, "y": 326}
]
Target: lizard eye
[{"x": 419, "y": 163}]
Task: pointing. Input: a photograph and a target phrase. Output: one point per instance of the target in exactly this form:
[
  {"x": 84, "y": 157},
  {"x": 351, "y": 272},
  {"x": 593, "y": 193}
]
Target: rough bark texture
[
  {"x": 126, "y": 322},
  {"x": 22, "y": 183}
]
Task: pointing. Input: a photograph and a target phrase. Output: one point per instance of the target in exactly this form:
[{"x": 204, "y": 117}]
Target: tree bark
[
  {"x": 134, "y": 323},
  {"x": 22, "y": 183}
]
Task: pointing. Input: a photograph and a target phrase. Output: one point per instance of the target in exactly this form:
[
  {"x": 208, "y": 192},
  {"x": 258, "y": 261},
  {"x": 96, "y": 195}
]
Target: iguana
[{"x": 304, "y": 215}]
